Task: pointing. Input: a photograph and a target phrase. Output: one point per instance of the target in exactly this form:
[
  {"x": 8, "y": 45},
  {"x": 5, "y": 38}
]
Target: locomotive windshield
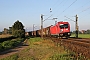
[{"x": 63, "y": 26}]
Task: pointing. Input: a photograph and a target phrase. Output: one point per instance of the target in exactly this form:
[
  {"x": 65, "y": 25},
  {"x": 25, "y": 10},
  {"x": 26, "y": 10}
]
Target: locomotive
[{"x": 60, "y": 29}]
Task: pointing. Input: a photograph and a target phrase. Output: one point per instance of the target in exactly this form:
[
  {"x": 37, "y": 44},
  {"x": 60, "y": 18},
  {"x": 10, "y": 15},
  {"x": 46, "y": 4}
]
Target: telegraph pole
[
  {"x": 33, "y": 29},
  {"x": 41, "y": 26},
  {"x": 76, "y": 27}
]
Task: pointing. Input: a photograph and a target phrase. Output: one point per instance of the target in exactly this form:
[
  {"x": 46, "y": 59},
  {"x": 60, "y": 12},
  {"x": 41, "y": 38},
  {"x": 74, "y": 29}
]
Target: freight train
[{"x": 60, "y": 29}]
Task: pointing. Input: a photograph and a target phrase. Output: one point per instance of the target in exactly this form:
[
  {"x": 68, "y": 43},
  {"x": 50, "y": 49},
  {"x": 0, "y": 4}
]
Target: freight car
[
  {"x": 46, "y": 32},
  {"x": 38, "y": 33},
  {"x": 61, "y": 29}
]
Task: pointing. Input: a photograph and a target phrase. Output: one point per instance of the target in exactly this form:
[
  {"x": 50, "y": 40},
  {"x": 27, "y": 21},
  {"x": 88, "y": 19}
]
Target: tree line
[{"x": 82, "y": 32}]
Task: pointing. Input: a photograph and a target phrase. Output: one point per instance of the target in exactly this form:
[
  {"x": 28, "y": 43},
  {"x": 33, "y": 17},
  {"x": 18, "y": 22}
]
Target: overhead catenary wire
[
  {"x": 81, "y": 6},
  {"x": 84, "y": 10},
  {"x": 60, "y": 5},
  {"x": 63, "y": 10},
  {"x": 53, "y": 9},
  {"x": 70, "y": 19},
  {"x": 67, "y": 7},
  {"x": 55, "y": 5},
  {"x": 47, "y": 18}
]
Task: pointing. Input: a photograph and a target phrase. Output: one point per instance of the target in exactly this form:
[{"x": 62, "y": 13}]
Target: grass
[
  {"x": 82, "y": 35},
  {"x": 32, "y": 40},
  {"x": 62, "y": 57},
  {"x": 12, "y": 57},
  {"x": 66, "y": 56}
]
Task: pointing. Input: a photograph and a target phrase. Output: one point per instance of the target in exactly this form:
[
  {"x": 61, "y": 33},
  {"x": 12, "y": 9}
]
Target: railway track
[
  {"x": 83, "y": 42},
  {"x": 79, "y": 46}
]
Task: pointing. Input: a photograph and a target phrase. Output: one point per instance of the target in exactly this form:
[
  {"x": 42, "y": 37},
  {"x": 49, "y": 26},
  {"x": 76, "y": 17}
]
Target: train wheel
[{"x": 67, "y": 37}]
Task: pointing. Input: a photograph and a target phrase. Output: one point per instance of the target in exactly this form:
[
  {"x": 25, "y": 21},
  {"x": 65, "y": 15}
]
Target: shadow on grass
[{"x": 14, "y": 49}]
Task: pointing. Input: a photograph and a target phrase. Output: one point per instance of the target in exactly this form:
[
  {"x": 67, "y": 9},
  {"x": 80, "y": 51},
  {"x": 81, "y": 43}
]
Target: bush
[
  {"x": 6, "y": 44},
  {"x": 10, "y": 44},
  {"x": 1, "y": 47}
]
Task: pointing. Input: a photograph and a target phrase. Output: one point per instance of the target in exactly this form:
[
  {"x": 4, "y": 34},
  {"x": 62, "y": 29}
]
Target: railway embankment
[{"x": 81, "y": 47}]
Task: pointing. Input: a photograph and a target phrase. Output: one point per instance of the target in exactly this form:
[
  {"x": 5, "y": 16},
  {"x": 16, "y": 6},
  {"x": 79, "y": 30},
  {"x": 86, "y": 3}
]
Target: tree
[
  {"x": 5, "y": 31},
  {"x": 88, "y": 31},
  {"x": 18, "y": 29},
  {"x": 10, "y": 30}
]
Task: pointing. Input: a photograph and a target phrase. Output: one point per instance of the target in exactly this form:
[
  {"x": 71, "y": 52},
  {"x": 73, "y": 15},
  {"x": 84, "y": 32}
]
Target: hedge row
[
  {"x": 7, "y": 38},
  {"x": 10, "y": 44}
]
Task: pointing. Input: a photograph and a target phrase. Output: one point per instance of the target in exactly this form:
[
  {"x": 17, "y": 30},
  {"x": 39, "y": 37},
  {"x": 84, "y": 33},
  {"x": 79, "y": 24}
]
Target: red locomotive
[{"x": 61, "y": 29}]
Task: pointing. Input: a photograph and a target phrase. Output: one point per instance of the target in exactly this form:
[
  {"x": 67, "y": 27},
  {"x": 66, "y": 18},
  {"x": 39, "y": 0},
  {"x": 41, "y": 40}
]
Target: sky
[{"x": 29, "y": 11}]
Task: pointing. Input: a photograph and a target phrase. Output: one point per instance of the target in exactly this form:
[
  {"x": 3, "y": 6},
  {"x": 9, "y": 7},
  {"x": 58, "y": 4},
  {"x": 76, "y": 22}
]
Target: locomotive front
[{"x": 64, "y": 29}]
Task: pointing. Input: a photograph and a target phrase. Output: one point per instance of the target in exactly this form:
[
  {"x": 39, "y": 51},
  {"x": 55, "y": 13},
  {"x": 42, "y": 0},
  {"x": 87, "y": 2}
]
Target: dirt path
[{"x": 12, "y": 51}]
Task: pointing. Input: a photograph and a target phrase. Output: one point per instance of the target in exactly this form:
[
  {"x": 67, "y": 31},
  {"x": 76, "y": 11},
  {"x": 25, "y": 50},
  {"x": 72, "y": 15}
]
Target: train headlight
[
  {"x": 66, "y": 29},
  {"x": 68, "y": 33},
  {"x": 61, "y": 30},
  {"x": 61, "y": 34}
]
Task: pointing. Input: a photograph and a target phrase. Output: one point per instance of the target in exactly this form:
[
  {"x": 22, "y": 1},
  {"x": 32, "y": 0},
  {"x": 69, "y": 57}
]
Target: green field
[{"x": 82, "y": 35}]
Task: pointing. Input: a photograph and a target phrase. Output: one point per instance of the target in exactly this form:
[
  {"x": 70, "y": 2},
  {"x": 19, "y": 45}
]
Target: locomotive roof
[{"x": 61, "y": 22}]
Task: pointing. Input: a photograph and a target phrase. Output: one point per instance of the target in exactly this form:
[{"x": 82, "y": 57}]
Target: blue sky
[{"x": 28, "y": 12}]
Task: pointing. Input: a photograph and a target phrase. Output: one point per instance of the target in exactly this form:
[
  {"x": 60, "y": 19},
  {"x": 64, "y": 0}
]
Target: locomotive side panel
[{"x": 54, "y": 30}]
